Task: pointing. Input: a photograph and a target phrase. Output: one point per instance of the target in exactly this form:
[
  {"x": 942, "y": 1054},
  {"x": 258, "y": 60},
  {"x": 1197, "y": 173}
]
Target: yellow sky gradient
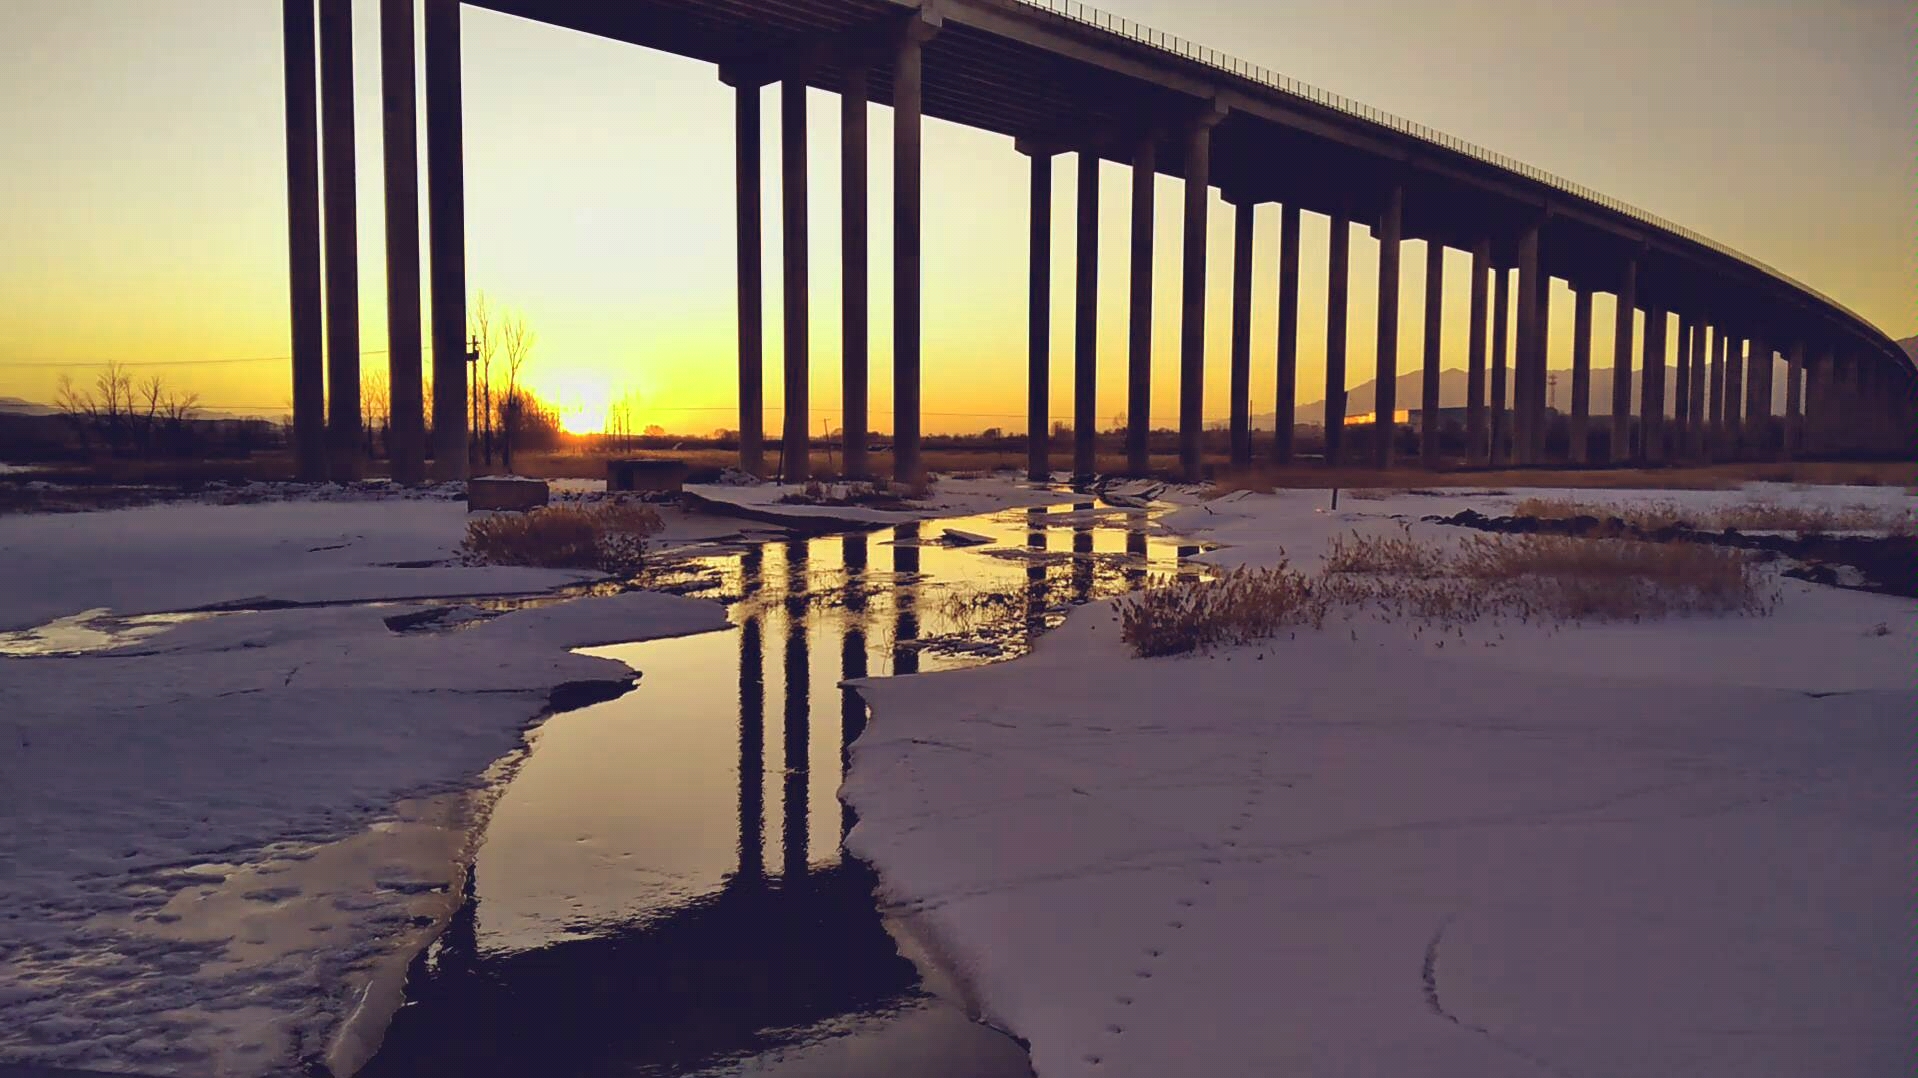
[{"x": 144, "y": 198}]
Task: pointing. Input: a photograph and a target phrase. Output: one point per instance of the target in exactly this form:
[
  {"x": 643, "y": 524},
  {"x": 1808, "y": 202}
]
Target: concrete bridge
[{"x": 1057, "y": 77}]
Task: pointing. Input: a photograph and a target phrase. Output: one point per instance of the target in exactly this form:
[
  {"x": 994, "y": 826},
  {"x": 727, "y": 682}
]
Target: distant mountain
[
  {"x": 16, "y": 406},
  {"x": 1361, "y": 399}
]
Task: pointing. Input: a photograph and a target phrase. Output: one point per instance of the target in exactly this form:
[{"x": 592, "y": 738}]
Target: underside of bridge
[{"x": 1057, "y": 78}]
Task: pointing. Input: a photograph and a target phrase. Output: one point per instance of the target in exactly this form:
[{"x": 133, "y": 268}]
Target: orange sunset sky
[{"x": 142, "y": 203}]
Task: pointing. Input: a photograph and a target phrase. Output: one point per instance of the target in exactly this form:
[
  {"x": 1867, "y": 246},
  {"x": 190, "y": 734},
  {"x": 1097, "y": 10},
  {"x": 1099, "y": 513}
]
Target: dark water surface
[{"x": 661, "y": 889}]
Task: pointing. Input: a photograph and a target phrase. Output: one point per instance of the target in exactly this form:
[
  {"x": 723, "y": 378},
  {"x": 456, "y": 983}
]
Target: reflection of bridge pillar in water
[
  {"x": 852, "y": 661},
  {"x": 905, "y": 562},
  {"x": 1035, "y": 574},
  {"x": 797, "y": 727},
  {"x": 1135, "y": 549},
  {"x": 1082, "y": 560},
  {"x": 752, "y": 750}
]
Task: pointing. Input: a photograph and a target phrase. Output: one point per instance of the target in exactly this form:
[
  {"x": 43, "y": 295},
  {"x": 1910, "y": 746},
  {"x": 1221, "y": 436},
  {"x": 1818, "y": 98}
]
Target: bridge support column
[
  {"x": 1475, "y": 434},
  {"x": 446, "y": 233},
  {"x": 1198, "y": 167},
  {"x": 1681, "y": 403},
  {"x": 1285, "y": 406},
  {"x": 1758, "y": 395},
  {"x": 1715, "y": 404},
  {"x": 1337, "y": 284},
  {"x": 1579, "y": 447},
  {"x": 908, "y": 70},
  {"x": 1624, "y": 325},
  {"x": 1138, "y": 431},
  {"x": 1531, "y": 303},
  {"x": 795, "y": 440},
  {"x": 1540, "y": 373},
  {"x": 1241, "y": 373},
  {"x": 1429, "y": 380},
  {"x": 406, "y": 431},
  {"x": 1500, "y": 450},
  {"x": 1794, "y": 400},
  {"x": 1039, "y": 320},
  {"x": 1085, "y": 326},
  {"x": 1735, "y": 399},
  {"x": 752, "y": 400},
  {"x": 1696, "y": 426},
  {"x": 1818, "y": 426},
  {"x": 853, "y": 256},
  {"x": 1391, "y": 233},
  {"x": 1651, "y": 395},
  {"x": 342, "y": 241},
  {"x": 303, "y": 239}
]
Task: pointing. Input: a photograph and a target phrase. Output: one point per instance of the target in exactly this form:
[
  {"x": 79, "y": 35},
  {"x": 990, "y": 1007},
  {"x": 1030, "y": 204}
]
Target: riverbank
[{"x": 1606, "y": 848}]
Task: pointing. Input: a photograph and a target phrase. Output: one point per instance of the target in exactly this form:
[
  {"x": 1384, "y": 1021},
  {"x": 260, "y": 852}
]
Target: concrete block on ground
[
  {"x": 508, "y": 492},
  {"x": 642, "y": 475}
]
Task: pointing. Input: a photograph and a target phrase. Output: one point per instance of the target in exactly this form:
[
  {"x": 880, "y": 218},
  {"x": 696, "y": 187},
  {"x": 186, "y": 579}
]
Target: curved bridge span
[{"x": 1706, "y": 331}]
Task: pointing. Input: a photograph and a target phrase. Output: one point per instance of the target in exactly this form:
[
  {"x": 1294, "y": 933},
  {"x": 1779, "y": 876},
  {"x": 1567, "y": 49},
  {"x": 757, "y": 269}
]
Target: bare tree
[
  {"x": 79, "y": 408},
  {"x": 517, "y": 341},
  {"x": 376, "y": 410},
  {"x": 488, "y": 344}
]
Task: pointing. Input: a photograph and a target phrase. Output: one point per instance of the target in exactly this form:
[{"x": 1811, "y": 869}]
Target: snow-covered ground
[
  {"x": 225, "y": 837},
  {"x": 1668, "y": 847}
]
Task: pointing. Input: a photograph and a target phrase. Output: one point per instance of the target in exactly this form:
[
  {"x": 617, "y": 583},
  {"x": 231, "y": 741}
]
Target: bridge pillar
[
  {"x": 795, "y": 440},
  {"x": 1577, "y": 429},
  {"x": 796, "y": 731},
  {"x": 1681, "y": 403},
  {"x": 853, "y": 256},
  {"x": 1198, "y": 168},
  {"x": 406, "y": 431},
  {"x": 1715, "y": 402},
  {"x": 1531, "y": 303},
  {"x": 1794, "y": 399},
  {"x": 1820, "y": 395},
  {"x": 1039, "y": 319},
  {"x": 1758, "y": 397},
  {"x": 1085, "y": 326},
  {"x": 1651, "y": 394},
  {"x": 342, "y": 241},
  {"x": 303, "y": 239},
  {"x": 1735, "y": 399},
  {"x": 1623, "y": 327},
  {"x": 752, "y": 751},
  {"x": 1696, "y": 426},
  {"x": 1138, "y": 431},
  {"x": 1241, "y": 372},
  {"x": 752, "y": 400},
  {"x": 1475, "y": 447},
  {"x": 1500, "y": 450},
  {"x": 1391, "y": 231},
  {"x": 446, "y": 234},
  {"x": 1285, "y": 406},
  {"x": 1429, "y": 377},
  {"x": 1338, "y": 283},
  {"x": 1541, "y": 362},
  {"x": 908, "y": 72}
]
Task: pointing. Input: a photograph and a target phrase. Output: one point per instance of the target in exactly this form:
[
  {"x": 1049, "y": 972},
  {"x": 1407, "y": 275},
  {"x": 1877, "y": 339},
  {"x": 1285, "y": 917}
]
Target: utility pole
[
  {"x": 1551, "y": 384},
  {"x": 472, "y": 363}
]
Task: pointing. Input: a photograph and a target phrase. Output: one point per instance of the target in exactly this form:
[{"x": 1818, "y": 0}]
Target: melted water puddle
[{"x": 661, "y": 888}]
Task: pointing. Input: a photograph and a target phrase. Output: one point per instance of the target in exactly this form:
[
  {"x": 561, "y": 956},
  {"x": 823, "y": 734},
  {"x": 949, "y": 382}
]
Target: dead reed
[
  {"x": 609, "y": 537},
  {"x": 1802, "y": 520},
  {"x": 1171, "y": 617}
]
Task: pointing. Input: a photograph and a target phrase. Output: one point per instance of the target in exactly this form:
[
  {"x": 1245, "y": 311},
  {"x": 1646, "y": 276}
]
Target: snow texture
[
  {"x": 223, "y": 842},
  {"x": 1669, "y": 847}
]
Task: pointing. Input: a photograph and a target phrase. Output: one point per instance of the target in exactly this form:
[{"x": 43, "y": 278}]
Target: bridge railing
[{"x": 1178, "y": 46}]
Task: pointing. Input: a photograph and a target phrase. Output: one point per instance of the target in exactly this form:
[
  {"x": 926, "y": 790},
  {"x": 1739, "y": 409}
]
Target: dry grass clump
[
  {"x": 1745, "y": 516},
  {"x": 1529, "y": 577},
  {"x": 1176, "y": 616},
  {"x": 1559, "y": 576},
  {"x": 610, "y": 537},
  {"x": 1390, "y": 555}
]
